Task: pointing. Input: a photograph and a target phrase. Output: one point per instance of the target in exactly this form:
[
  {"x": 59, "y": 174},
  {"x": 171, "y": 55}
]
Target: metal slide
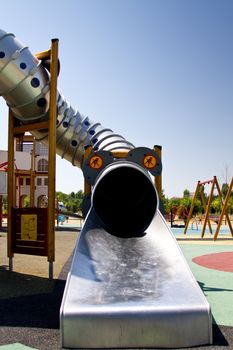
[
  {"x": 132, "y": 293},
  {"x": 129, "y": 284}
]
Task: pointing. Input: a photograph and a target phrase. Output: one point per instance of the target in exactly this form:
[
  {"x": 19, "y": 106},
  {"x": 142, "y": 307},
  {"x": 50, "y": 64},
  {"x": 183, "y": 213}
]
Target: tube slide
[
  {"x": 24, "y": 84},
  {"x": 129, "y": 284}
]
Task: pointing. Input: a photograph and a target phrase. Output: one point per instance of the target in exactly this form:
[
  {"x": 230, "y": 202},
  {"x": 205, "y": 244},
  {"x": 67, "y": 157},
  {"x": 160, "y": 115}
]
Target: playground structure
[
  {"x": 181, "y": 213},
  {"x": 30, "y": 230},
  {"x": 129, "y": 284},
  {"x": 207, "y": 217}
]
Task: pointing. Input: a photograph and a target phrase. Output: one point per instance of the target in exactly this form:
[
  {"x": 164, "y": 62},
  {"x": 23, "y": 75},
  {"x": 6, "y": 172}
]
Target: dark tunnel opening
[{"x": 125, "y": 200}]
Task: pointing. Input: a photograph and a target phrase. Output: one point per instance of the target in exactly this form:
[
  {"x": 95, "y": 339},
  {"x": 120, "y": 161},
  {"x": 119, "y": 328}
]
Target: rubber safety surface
[{"x": 218, "y": 261}]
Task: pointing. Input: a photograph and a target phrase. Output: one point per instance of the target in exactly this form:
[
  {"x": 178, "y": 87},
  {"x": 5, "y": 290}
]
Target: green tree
[
  {"x": 197, "y": 207},
  {"x": 225, "y": 187},
  {"x": 230, "y": 205},
  {"x": 4, "y": 204},
  {"x": 216, "y": 205},
  {"x": 27, "y": 202},
  {"x": 186, "y": 193},
  {"x": 166, "y": 203},
  {"x": 72, "y": 201}
]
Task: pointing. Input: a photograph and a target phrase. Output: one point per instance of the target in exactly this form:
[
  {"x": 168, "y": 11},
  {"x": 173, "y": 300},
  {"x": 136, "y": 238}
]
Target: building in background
[{"x": 31, "y": 171}]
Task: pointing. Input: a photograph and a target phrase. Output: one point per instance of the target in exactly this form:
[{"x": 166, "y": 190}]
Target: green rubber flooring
[{"x": 216, "y": 285}]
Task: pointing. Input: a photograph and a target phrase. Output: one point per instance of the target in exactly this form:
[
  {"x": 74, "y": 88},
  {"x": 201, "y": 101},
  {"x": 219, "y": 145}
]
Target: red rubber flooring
[{"x": 217, "y": 261}]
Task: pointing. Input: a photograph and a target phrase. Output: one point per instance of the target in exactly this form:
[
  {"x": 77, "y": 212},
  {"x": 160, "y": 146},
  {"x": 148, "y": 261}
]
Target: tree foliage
[
  {"x": 4, "y": 204},
  {"x": 186, "y": 193},
  {"x": 184, "y": 203},
  {"x": 72, "y": 201},
  {"x": 225, "y": 187}
]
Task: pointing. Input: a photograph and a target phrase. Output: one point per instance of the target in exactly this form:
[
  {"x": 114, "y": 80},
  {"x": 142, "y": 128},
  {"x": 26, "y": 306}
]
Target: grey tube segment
[{"x": 24, "y": 84}]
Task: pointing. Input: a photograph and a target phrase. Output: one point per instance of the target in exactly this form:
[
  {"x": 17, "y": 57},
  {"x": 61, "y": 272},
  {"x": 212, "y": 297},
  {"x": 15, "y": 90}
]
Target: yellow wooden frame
[
  {"x": 214, "y": 183},
  {"x": 52, "y": 53},
  {"x": 158, "y": 179},
  {"x": 224, "y": 208}
]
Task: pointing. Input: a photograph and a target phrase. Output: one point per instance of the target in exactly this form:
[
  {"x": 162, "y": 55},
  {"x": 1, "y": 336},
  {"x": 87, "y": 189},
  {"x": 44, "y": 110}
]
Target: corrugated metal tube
[{"x": 24, "y": 84}]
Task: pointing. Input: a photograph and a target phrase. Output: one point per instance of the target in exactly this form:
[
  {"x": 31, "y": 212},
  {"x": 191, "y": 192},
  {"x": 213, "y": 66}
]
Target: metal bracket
[
  {"x": 146, "y": 158},
  {"x": 95, "y": 163}
]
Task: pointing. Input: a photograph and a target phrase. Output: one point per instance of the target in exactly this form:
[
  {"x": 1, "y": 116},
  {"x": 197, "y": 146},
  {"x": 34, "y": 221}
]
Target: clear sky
[{"x": 157, "y": 72}]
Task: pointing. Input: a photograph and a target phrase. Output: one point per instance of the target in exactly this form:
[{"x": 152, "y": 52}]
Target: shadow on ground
[
  {"x": 29, "y": 309},
  {"x": 206, "y": 288},
  {"x": 29, "y": 301}
]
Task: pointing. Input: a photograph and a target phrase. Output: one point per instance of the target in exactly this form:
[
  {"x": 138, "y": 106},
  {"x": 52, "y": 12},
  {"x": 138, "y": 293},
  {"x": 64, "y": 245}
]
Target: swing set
[{"x": 207, "y": 217}]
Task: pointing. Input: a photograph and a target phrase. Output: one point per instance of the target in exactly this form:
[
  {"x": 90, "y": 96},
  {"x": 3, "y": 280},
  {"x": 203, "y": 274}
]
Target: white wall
[
  {"x": 22, "y": 159},
  {"x": 23, "y": 162}
]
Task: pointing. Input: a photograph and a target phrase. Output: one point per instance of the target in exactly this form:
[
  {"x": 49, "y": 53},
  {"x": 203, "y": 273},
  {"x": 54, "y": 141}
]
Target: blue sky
[{"x": 157, "y": 72}]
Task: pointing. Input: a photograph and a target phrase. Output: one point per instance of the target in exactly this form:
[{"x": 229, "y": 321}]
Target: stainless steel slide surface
[{"x": 132, "y": 292}]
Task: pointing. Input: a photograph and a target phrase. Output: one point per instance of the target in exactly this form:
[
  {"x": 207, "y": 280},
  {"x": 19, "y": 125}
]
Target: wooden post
[
  {"x": 10, "y": 189},
  {"x": 87, "y": 186},
  {"x": 19, "y": 192},
  {"x": 222, "y": 201},
  {"x": 32, "y": 177},
  {"x": 192, "y": 207},
  {"x": 204, "y": 206},
  {"x": 51, "y": 126},
  {"x": 224, "y": 210},
  {"x": 158, "y": 179},
  {"x": 52, "y": 155},
  {"x": 32, "y": 189},
  {"x": 208, "y": 210}
]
